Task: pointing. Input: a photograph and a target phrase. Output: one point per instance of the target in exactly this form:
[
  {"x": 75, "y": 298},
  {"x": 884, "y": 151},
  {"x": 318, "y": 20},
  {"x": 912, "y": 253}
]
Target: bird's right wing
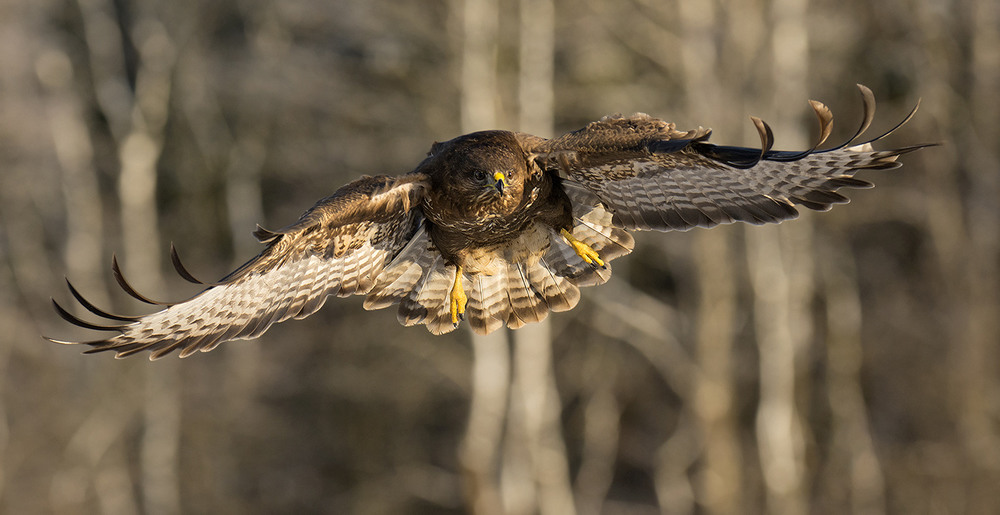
[
  {"x": 652, "y": 176},
  {"x": 339, "y": 247}
]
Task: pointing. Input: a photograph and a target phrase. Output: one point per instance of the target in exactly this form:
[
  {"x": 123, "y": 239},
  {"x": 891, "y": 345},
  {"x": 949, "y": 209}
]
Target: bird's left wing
[
  {"x": 652, "y": 176},
  {"x": 339, "y": 247}
]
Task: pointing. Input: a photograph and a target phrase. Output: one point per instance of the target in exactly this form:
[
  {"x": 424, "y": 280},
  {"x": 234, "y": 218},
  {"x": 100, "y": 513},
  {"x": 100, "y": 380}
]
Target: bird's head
[{"x": 485, "y": 167}]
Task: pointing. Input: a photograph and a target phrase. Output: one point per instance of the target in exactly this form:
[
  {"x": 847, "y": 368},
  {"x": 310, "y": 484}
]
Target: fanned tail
[
  {"x": 419, "y": 280},
  {"x": 522, "y": 292},
  {"x": 517, "y": 287}
]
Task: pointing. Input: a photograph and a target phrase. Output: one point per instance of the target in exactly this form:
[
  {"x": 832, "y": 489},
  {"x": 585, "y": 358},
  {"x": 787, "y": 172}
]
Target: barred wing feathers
[
  {"x": 655, "y": 177},
  {"x": 339, "y": 247},
  {"x": 619, "y": 174}
]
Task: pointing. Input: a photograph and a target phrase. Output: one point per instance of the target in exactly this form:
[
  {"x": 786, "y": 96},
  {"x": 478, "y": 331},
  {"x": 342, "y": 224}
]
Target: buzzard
[{"x": 498, "y": 228}]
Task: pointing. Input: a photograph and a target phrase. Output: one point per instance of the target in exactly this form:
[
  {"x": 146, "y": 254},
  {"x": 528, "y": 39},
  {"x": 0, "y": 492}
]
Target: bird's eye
[{"x": 480, "y": 175}]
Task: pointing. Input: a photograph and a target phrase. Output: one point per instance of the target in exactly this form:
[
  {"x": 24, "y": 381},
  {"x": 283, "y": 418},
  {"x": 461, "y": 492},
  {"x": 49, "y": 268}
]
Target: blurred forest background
[{"x": 846, "y": 362}]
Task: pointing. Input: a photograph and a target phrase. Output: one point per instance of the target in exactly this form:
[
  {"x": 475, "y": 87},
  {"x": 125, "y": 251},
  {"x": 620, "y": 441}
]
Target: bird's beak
[{"x": 500, "y": 182}]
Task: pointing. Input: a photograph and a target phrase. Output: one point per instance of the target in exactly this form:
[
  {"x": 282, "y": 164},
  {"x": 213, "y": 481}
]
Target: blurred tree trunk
[
  {"x": 781, "y": 272},
  {"x": 245, "y": 207},
  {"x": 139, "y": 154},
  {"x": 962, "y": 216},
  {"x": 490, "y": 354},
  {"x": 718, "y": 479},
  {"x": 974, "y": 262},
  {"x": 23, "y": 256},
  {"x": 534, "y": 396},
  {"x": 480, "y": 20},
  {"x": 238, "y": 149},
  {"x": 601, "y": 431},
  {"x": 73, "y": 147},
  {"x": 137, "y": 119},
  {"x": 320, "y": 82},
  {"x": 978, "y": 366},
  {"x": 480, "y": 447},
  {"x": 534, "y": 379},
  {"x": 88, "y": 458},
  {"x": 853, "y": 467},
  {"x": 542, "y": 484}
]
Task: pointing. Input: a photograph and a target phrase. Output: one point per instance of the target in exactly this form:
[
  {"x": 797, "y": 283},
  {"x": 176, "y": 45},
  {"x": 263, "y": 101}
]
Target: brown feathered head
[{"x": 486, "y": 168}]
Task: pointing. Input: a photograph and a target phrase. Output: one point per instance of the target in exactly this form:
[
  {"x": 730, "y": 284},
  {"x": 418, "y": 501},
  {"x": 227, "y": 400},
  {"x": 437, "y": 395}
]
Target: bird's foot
[
  {"x": 458, "y": 298},
  {"x": 583, "y": 250}
]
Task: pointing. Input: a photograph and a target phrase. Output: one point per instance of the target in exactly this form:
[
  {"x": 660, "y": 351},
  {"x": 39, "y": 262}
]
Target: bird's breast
[{"x": 458, "y": 228}]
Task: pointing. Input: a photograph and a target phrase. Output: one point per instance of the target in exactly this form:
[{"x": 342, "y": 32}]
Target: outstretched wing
[
  {"x": 655, "y": 177},
  {"x": 339, "y": 247}
]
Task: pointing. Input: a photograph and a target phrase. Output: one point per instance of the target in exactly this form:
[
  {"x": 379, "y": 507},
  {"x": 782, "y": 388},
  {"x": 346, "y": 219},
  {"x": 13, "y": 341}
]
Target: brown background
[{"x": 843, "y": 362}]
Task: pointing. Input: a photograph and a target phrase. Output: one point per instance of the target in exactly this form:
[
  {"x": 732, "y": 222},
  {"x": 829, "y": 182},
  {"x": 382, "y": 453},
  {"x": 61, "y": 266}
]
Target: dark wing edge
[
  {"x": 657, "y": 178},
  {"x": 338, "y": 247}
]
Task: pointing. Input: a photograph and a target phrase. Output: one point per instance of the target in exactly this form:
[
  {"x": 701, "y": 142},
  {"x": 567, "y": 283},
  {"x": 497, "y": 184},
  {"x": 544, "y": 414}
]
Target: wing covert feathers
[
  {"x": 338, "y": 247},
  {"x": 655, "y": 177},
  {"x": 391, "y": 262},
  {"x": 371, "y": 238}
]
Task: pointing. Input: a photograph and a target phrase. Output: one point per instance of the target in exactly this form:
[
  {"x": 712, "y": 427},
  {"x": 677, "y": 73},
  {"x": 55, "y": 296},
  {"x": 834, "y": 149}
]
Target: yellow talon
[
  {"x": 458, "y": 298},
  {"x": 583, "y": 250}
]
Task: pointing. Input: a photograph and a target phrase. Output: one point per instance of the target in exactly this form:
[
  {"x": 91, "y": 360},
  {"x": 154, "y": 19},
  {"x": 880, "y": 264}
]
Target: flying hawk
[{"x": 498, "y": 228}]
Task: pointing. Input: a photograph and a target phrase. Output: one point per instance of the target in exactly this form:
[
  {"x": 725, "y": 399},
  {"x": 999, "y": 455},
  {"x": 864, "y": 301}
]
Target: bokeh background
[{"x": 846, "y": 362}]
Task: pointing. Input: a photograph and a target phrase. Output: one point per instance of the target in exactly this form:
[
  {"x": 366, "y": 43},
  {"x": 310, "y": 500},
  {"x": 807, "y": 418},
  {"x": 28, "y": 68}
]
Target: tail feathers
[
  {"x": 489, "y": 305},
  {"x": 518, "y": 294},
  {"x": 512, "y": 292},
  {"x": 419, "y": 281},
  {"x": 404, "y": 272},
  {"x": 515, "y": 295},
  {"x": 560, "y": 292},
  {"x": 429, "y": 302},
  {"x": 527, "y": 305}
]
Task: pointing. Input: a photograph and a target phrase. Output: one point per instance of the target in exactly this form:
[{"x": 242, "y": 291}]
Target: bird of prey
[{"x": 498, "y": 228}]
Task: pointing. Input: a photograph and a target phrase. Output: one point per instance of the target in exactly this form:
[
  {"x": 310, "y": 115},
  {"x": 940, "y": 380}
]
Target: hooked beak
[{"x": 499, "y": 181}]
